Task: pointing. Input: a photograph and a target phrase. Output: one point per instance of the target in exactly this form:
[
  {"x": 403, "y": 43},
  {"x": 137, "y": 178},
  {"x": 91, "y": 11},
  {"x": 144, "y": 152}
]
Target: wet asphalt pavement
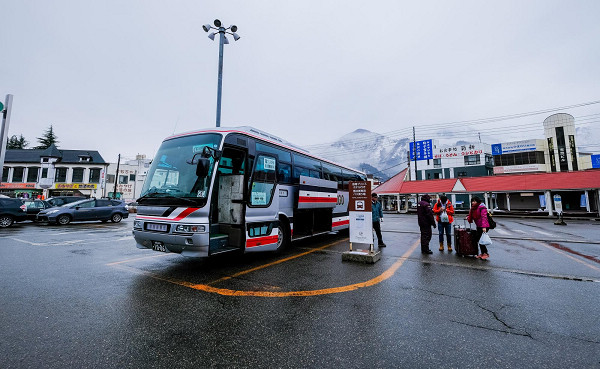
[{"x": 83, "y": 296}]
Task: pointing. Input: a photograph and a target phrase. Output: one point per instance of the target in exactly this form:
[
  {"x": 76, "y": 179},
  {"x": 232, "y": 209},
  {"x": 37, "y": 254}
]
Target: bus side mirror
[{"x": 202, "y": 167}]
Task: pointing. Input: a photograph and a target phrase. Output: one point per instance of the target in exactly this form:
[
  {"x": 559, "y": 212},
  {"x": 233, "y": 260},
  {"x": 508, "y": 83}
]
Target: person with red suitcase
[{"x": 479, "y": 215}]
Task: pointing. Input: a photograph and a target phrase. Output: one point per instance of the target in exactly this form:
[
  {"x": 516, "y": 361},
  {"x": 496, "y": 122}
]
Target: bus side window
[
  {"x": 300, "y": 171},
  {"x": 263, "y": 181},
  {"x": 284, "y": 173}
]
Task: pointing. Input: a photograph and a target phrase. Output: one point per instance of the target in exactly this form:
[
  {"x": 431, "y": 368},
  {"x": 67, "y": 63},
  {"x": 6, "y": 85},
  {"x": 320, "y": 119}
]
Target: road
[{"x": 83, "y": 296}]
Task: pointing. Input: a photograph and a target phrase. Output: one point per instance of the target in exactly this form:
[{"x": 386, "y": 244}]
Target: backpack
[{"x": 491, "y": 221}]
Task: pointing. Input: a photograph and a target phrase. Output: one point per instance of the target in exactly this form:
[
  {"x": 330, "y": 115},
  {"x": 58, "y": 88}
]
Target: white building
[
  {"x": 454, "y": 161},
  {"x": 132, "y": 174},
  {"x": 557, "y": 152}
]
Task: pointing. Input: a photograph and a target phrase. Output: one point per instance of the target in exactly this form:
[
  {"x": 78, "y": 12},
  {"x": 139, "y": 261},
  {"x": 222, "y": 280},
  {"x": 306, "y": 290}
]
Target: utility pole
[
  {"x": 415, "y": 151},
  {"x": 116, "y": 177}
]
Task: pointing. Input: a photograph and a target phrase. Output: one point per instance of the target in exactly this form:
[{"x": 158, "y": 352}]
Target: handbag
[
  {"x": 491, "y": 221},
  {"x": 444, "y": 217},
  {"x": 485, "y": 240}
]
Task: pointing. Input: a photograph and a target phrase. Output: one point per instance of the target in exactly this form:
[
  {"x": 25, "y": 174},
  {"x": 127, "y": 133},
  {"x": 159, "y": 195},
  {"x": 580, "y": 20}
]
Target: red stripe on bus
[
  {"x": 261, "y": 241},
  {"x": 316, "y": 199},
  {"x": 183, "y": 214},
  {"x": 340, "y": 223}
]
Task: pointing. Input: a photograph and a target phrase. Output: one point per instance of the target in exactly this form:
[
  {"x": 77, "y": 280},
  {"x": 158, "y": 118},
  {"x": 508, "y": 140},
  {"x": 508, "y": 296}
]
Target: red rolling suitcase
[{"x": 465, "y": 241}]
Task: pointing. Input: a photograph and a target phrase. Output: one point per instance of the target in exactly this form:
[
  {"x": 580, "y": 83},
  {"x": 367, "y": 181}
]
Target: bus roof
[{"x": 257, "y": 133}]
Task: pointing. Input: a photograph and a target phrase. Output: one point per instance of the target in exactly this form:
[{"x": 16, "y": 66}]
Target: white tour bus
[{"x": 238, "y": 189}]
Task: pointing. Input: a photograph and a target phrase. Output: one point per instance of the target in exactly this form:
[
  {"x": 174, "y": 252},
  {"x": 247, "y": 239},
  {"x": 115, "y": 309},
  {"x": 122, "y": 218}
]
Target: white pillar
[
  {"x": 487, "y": 200},
  {"x": 549, "y": 208},
  {"x": 587, "y": 201},
  {"x": 398, "y": 203},
  {"x": 508, "y": 201}
]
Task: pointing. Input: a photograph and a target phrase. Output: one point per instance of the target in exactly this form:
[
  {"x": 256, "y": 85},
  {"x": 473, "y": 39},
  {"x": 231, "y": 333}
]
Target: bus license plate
[
  {"x": 158, "y": 246},
  {"x": 156, "y": 227}
]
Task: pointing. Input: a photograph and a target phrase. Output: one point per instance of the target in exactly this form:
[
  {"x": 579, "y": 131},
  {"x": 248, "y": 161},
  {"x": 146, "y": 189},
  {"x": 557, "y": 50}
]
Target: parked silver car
[{"x": 85, "y": 210}]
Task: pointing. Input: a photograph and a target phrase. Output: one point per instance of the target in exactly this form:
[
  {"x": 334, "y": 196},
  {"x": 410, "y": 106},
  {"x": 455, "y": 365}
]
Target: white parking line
[
  {"x": 519, "y": 230},
  {"x": 501, "y": 231},
  {"x": 544, "y": 233}
]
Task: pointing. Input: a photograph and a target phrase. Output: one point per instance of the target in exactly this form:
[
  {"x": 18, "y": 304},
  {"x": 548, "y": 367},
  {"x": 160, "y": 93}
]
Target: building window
[
  {"x": 95, "y": 175},
  {"x": 472, "y": 159},
  {"x": 85, "y": 158},
  {"x": 123, "y": 179},
  {"x": 18, "y": 174},
  {"x": 60, "y": 175},
  {"x": 32, "y": 174},
  {"x": 489, "y": 159},
  {"x": 77, "y": 175},
  {"x": 44, "y": 172},
  {"x": 132, "y": 177},
  {"x": 110, "y": 178},
  {"x": 437, "y": 163},
  {"x": 5, "y": 174}
]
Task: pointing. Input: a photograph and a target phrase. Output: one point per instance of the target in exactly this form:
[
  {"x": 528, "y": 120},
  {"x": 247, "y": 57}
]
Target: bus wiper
[{"x": 163, "y": 195}]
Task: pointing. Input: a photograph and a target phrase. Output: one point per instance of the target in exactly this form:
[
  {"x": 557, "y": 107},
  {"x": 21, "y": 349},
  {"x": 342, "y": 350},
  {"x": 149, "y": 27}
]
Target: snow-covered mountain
[
  {"x": 384, "y": 157},
  {"x": 368, "y": 151}
]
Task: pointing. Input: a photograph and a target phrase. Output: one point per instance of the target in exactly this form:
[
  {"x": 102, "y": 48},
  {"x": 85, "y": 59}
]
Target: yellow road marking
[
  {"x": 275, "y": 262},
  {"x": 569, "y": 256},
  {"x": 229, "y": 292}
]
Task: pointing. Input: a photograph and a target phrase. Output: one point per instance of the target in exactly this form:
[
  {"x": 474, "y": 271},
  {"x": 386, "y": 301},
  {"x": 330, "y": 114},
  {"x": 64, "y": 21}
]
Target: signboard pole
[
  {"x": 361, "y": 223},
  {"x": 415, "y": 151}
]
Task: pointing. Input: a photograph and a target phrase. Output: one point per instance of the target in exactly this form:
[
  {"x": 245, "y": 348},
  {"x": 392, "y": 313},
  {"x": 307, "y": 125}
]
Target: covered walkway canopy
[{"x": 579, "y": 191}]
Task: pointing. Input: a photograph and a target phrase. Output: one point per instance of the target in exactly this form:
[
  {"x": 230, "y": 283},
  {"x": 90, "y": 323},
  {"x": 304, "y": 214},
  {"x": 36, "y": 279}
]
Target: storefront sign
[
  {"x": 520, "y": 168},
  {"x": 456, "y": 151},
  {"x": 76, "y": 186},
  {"x": 359, "y": 209},
  {"x": 515, "y": 146},
  {"x": 18, "y": 185},
  {"x": 424, "y": 150},
  {"x": 595, "y": 161}
]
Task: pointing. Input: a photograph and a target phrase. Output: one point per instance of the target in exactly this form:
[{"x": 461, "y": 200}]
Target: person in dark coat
[
  {"x": 377, "y": 213},
  {"x": 426, "y": 221}
]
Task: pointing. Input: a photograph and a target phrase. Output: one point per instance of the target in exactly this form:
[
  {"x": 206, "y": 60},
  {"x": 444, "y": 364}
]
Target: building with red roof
[{"x": 579, "y": 191}]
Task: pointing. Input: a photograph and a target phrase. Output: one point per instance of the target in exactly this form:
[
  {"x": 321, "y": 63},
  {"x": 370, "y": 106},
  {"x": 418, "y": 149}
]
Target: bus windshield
[{"x": 172, "y": 179}]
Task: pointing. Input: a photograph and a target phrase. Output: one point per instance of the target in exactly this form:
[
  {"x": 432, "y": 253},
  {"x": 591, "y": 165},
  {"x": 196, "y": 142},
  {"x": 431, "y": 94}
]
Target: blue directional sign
[
  {"x": 424, "y": 150},
  {"x": 595, "y": 161},
  {"x": 497, "y": 149}
]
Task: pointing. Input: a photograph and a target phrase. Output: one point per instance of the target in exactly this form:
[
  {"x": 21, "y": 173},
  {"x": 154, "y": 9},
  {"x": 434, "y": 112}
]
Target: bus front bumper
[{"x": 191, "y": 245}]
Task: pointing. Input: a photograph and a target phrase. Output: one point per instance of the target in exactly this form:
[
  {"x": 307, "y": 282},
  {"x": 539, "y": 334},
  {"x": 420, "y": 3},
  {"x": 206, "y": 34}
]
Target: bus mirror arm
[{"x": 202, "y": 167}]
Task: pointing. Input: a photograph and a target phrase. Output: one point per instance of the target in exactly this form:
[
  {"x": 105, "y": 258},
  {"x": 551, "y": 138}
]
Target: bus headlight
[
  {"x": 189, "y": 228},
  {"x": 137, "y": 224}
]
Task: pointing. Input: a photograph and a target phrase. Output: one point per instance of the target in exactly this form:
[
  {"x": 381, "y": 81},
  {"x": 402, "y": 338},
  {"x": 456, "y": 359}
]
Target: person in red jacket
[
  {"x": 478, "y": 214},
  {"x": 444, "y": 214}
]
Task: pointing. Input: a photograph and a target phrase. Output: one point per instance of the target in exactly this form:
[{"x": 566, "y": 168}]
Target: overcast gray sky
[{"x": 120, "y": 76}]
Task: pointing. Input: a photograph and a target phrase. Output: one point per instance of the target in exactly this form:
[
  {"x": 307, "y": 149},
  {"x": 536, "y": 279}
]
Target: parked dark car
[
  {"x": 33, "y": 207},
  {"x": 84, "y": 210},
  {"x": 11, "y": 210},
  {"x": 61, "y": 200}
]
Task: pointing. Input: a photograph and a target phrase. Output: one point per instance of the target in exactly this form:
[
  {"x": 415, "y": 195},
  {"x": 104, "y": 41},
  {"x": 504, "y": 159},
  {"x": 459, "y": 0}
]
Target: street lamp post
[{"x": 222, "y": 41}]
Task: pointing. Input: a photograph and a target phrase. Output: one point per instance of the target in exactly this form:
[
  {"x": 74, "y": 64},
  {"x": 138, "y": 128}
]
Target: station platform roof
[{"x": 579, "y": 180}]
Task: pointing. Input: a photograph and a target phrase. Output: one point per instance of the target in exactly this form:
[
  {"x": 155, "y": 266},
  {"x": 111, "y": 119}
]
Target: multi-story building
[
  {"x": 53, "y": 172},
  {"x": 466, "y": 160},
  {"x": 557, "y": 152},
  {"x": 130, "y": 180}
]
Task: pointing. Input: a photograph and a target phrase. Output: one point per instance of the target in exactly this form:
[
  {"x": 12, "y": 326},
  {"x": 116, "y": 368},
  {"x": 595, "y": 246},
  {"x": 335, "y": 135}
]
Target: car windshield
[{"x": 172, "y": 179}]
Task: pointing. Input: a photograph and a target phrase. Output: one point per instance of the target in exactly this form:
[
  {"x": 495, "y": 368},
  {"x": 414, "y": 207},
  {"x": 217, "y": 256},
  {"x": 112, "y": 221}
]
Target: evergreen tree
[
  {"x": 47, "y": 139},
  {"x": 17, "y": 143}
]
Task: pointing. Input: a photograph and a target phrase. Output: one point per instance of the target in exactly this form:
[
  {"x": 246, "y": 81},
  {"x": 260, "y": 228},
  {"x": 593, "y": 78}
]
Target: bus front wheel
[{"x": 283, "y": 236}]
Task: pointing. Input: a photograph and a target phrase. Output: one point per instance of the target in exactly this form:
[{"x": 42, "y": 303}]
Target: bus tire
[{"x": 283, "y": 235}]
